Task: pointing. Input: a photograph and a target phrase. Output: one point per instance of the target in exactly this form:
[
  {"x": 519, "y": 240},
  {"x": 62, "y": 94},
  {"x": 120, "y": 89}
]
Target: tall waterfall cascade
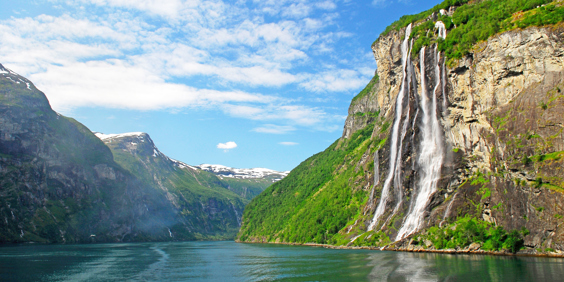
[
  {"x": 395, "y": 147},
  {"x": 431, "y": 149}
]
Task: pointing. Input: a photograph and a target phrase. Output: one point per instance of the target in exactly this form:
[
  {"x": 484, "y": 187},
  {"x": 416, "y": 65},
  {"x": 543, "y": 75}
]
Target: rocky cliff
[
  {"x": 474, "y": 145},
  {"x": 504, "y": 119},
  {"x": 59, "y": 183}
]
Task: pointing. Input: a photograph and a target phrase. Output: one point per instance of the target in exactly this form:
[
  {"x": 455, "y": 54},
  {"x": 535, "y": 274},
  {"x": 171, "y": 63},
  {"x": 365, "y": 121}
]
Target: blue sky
[{"x": 238, "y": 83}]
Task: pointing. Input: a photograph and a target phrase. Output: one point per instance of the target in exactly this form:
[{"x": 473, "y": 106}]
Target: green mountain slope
[
  {"x": 495, "y": 83},
  {"x": 205, "y": 207},
  {"x": 320, "y": 196}
]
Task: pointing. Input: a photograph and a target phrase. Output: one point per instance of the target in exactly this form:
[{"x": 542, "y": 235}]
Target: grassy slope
[
  {"x": 191, "y": 189},
  {"x": 476, "y": 21},
  {"x": 317, "y": 199},
  {"x": 322, "y": 195}
]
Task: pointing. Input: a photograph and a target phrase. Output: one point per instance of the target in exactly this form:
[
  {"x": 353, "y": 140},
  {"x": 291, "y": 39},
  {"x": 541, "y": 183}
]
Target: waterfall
[
  {"x": 376, "y": 169},
  {"x": 448, "y": 208},
  {"x": 442, "y": 33},
  {"x": 432, "y": 153},
  {"x": 376, "y": 181},
  {"x": 384, "y": 198}
]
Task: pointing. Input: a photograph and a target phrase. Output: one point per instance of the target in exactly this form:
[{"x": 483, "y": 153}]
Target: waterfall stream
[
  {"x": 432, "y": 152},
  {"x": 385, "y": 197},
  {"x": 376, "y": 169}
]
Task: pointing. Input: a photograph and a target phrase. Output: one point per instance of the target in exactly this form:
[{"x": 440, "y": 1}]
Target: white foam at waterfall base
[
  {"x": 432, "y": 153},
  {"x": 384, "y": 198}
]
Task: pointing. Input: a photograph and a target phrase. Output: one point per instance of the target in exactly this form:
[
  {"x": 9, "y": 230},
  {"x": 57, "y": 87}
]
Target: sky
[{"x": 238, "y": 83}]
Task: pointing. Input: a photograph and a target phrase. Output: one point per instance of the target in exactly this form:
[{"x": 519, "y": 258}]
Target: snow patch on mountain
[
  {"x": 4, "y": 70},
  {"x": 244, "y": 173},
  {"x": 219, "y": 170},
  {"x": 103, "y": 136},
  {"x": 182, "y": 165}
]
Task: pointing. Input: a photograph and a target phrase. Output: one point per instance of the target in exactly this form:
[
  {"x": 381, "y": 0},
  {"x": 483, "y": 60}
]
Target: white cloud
[
  {"x": 227, "y": 146},
  {"x": 326, "y": 5},
  {"x": 297, "y": 114},
  {"x": 380, "y": 2},
  {"x": 174, "y": 10},
  {"x": 337, "y": 80},
  {"x": 116, "y": 84},
  {"x": 275, "y": 129},
  {"x": 288, "y": 143},
  {"x": 175, "y": 54},
  {"x": 299, "y": 10},
  {"x": 383, "y": 3}
]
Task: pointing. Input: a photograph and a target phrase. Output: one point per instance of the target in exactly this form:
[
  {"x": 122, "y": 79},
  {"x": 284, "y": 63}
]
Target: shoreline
[{"x": 524, "y": 253}]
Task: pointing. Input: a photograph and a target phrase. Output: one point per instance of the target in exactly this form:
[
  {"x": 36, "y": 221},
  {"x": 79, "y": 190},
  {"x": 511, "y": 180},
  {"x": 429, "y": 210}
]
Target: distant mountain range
[
  {"x": 59, "y": 182},
  {"x": 244, "y": 173},
  {"x": 245, "y": 182}
]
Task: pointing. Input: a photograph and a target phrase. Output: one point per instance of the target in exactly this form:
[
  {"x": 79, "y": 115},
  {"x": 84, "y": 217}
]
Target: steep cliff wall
[
  {"x": 473, "y": 146},
  {"x": 59, "y": 183},
  {"x": 503, "y": 121}
]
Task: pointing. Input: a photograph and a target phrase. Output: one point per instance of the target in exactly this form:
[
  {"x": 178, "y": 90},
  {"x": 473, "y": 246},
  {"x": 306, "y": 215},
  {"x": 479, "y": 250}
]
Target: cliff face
[
  {"x": 59, "y": 183},
  {"x": 501, "y": 116},
  {"x": 472, "y": 147}
]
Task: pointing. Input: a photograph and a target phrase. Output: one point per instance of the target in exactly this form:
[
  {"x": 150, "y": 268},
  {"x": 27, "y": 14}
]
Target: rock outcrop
[
  {"x": 499, "y": 111},
  {"x": 502, "y": 116}
]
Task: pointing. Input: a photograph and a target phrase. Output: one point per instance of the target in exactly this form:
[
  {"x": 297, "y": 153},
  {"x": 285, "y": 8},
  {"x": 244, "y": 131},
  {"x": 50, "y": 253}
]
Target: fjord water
[{"x": 230, "y": 261}]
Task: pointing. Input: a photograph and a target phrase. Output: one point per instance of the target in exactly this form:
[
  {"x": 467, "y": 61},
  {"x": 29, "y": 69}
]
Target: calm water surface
[{"x": 229, "y": 261}]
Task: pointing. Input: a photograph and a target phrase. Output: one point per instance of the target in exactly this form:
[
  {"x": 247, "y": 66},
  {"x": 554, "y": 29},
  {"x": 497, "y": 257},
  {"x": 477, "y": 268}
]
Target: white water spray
[
  {"x": 447, "y": 211},
  {"x": 384, "y": 199},
  {"x": 376, "y": 169},
  {"x": 432, "y": 153}
]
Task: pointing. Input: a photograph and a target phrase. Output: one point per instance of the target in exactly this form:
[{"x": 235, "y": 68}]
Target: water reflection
[
  {"x": 229, "y": 261},
  {"x": 398, "y": 266}
]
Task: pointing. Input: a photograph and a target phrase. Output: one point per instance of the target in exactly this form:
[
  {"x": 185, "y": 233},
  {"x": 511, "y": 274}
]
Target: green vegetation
[
  {"x": 316, "y": 200},
  {"x": 372, "y": 238},
  {"x": 467, "y": 230},
  {"x": 367, "y": 89},
  {"x": 476, "y": 21},
  {"x": 193, "y": 190},
  {"x": 407, "y": 19}
]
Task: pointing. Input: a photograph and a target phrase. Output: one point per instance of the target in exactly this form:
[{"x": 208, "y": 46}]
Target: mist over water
[{"x": 230, "y": 261}]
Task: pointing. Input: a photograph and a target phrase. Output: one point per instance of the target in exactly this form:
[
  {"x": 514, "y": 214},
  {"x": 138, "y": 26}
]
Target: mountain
[
  {"x": 59, "y": 183},
  {"x": 456, "y": 143},
  {"x": 245, "y": 173},
  {"x": 204, "y": 204},
  {"x": 246, "y": 182}
]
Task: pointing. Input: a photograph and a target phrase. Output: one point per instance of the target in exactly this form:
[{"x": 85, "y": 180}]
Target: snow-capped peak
[
  {"x": 219, "y": 170},
  {"x": 103, "y": 136},
  {"x": 243, "y": 173},
  {"x": 6, "y": 70},
  {"x": 182, "y": 164}
]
